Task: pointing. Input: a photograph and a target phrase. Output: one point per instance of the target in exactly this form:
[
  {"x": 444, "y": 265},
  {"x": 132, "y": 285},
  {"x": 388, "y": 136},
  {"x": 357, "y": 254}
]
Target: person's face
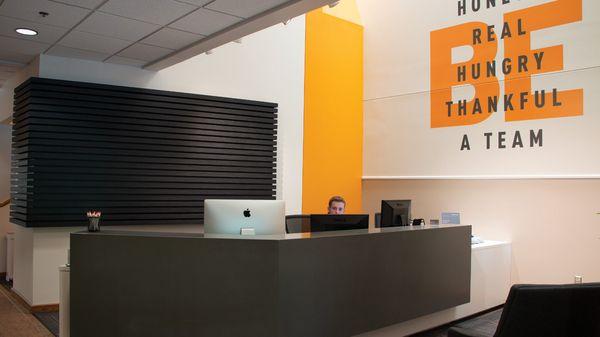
[{"x": 337, "y": 208}]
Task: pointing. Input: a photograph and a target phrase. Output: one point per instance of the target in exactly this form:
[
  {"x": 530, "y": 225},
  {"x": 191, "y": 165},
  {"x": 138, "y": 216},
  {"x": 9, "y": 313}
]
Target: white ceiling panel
[
  {"x": 61, "y": 15},
  {"x": 22, "y": 46},
  {"x": 12, "y": 56},
  {"x": 198, "y": 3},
  {"x": 76, "y": 53},
  {"x": 9, "y": 68},
  {"x": 154, "y": 34},
  {"x": 244, "y": 8},
  {"x": 126, "y": 61},
  {"x": 5, "y": 75},
  {"x": 160, "y": 12},
  {"x": 116, "y": 26},
  {"x": 46, "y": 33},
  {"x": 205, "y": 22},
  {"x": 90, "y": 4},
  {"x": 171, "y": 38},
  {"x": 92, "y": 42},
  {"x": 144, "y": 52}
]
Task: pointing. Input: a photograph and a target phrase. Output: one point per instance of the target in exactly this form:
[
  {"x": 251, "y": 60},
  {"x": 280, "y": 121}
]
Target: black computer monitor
[
  {"x": 326, "y": 222},
  {"x": 395, "y": 213}
]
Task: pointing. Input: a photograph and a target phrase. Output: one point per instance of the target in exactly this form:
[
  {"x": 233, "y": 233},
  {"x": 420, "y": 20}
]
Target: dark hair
[{"x": 336, "y": 198}]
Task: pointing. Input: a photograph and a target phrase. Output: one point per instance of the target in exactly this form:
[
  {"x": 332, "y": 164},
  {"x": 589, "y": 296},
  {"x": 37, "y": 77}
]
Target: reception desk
[{"x": 326, "y": 284}]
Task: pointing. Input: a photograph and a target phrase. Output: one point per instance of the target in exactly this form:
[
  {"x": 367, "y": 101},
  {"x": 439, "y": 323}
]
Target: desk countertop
[{"x": 277, "y": 237}]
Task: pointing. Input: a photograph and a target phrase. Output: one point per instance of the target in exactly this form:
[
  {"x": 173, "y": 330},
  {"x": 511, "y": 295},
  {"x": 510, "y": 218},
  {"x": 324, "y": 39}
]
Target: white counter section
[
  {"x": 490, "y": 282},
  {"x": 64, "y": 276}
]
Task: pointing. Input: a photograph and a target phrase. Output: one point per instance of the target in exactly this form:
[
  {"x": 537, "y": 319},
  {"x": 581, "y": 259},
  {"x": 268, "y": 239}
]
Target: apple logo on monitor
[{"x": 247, "y": 213}]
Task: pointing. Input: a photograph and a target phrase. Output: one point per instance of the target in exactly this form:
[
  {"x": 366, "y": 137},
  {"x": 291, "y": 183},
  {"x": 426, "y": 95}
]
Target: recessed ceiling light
[{"x": 26, "y": 31}]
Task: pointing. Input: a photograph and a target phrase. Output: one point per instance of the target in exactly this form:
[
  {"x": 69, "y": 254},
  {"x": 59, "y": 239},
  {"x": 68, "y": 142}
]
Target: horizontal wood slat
[{"x": 141, "y": 156}]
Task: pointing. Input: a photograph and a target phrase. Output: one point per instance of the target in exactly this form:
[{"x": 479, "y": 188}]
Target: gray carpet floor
[
  {"x": 485, "y": 324},
  {"x": 49, "y": 320}
]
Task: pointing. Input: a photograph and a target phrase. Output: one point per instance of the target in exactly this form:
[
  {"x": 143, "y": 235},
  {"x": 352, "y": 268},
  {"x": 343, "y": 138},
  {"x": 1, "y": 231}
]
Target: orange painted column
[{"x": 333, "y": 113}]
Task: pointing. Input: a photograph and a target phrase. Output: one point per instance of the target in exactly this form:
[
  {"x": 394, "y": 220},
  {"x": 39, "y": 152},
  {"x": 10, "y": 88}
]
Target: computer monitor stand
[{"x": 247, "y": 231}]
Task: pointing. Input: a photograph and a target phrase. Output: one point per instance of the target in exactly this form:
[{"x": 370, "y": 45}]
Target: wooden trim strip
[{"x": 34, "y": 308}]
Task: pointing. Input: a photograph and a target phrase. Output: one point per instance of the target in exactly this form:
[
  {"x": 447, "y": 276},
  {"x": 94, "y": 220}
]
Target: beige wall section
[{"x": 552, "y": 224}]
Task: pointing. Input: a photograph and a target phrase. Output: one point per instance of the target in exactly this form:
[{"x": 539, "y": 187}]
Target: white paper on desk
[{"x": 450, "y": 218}]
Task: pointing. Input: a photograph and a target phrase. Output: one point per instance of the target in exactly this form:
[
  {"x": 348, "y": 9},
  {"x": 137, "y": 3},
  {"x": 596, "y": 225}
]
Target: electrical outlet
[{"x": 578, "y": 279}]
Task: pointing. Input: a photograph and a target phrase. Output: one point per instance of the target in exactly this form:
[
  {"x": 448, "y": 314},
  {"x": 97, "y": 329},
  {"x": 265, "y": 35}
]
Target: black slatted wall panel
[{"x": 140, "y": 156}]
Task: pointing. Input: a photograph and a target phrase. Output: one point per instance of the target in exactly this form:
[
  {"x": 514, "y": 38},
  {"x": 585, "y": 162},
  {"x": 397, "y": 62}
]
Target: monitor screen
[
  {"x": 395, "y": 213},
  {"x": 265, "y": 217},
  {"x": 326, "y": 222}
]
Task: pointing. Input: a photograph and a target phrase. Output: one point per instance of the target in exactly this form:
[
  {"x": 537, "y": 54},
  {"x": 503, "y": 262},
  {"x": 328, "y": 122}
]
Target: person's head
[{"x": 337, "y": 205}]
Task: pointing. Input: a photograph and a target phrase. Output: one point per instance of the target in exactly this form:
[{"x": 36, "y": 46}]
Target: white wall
[
  {"x": 551, "y": 223},
  {"x": 5, "y": 140},
  {"x": 399, "y": 65},
  {"x": 5, "y": 227},
  {"x": 23, "y": 263},
  {"x": 266, "y": 66}
]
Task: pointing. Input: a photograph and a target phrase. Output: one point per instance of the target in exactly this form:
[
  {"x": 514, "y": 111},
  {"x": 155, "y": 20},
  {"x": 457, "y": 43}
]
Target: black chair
[
  {"x": 297, "y": 223},
  {"x": 571, "y": 310}
]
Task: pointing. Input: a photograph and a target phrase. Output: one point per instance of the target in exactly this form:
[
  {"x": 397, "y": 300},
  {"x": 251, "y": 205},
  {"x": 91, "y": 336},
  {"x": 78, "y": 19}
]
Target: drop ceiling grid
[
  {"x": 146, "y": 30},
  {"x": 136, "y": 44}
]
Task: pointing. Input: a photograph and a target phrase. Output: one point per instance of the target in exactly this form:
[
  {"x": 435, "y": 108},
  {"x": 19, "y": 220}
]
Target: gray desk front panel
[
  {"x": 125, "y": 284},
  {"x": 341, "y": 286}
]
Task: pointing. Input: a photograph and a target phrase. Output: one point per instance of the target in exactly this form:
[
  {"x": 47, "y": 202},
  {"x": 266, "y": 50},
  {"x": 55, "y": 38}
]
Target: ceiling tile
[
  {"x": 92, "y": 42},
  {"x": 61, "y": 15},
  {"x": 144, "y": 52},
  {"x": 91, "y": 4},
  {"x": 9, "y": 68},
  {"x": 77, "y": 53},
  {"x": 126, "y": 61},
  {"x": 205, "y": 22},
  {"x": 160, "y": 12},
  {"x": 22, "y": 46},
  {"x": 116, "y": 26},
  {"x": 198, "y": 3},
  {"x": 5, "y": 75},
  {"x": 11, "y": 56},
  {"x": 244, "y": 8},
  {"x": 172, "y": 38},
  {"x": 46, "y": 33}
]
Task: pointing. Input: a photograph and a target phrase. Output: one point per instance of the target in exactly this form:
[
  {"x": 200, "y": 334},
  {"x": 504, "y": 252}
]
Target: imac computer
[
  {"x": 325, "y": 222},
  {"x": 395, "y": 213},
  {"x": 260, "y": 217}
]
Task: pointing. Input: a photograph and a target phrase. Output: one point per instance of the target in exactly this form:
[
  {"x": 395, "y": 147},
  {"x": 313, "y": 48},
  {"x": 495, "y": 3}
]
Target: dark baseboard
[
  {"x": 44, "y": 308},
  {"x": 460, "y": 320}
]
